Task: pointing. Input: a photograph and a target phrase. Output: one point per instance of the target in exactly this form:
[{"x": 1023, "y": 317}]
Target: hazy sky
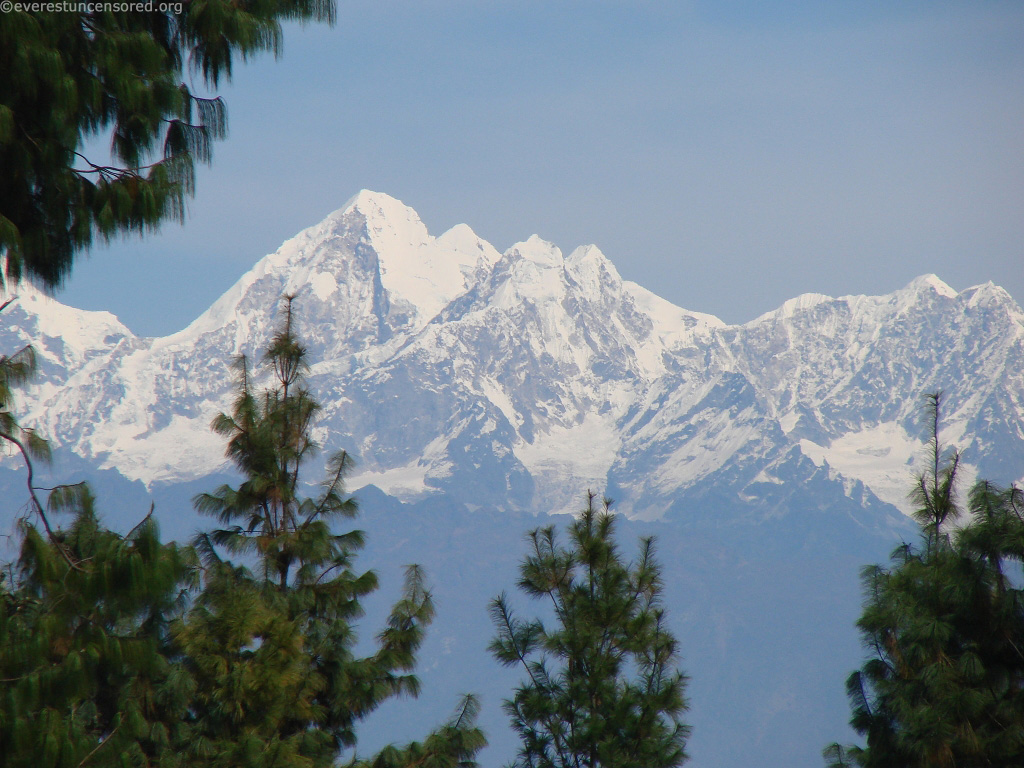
[{"x": 726, "y": 154}]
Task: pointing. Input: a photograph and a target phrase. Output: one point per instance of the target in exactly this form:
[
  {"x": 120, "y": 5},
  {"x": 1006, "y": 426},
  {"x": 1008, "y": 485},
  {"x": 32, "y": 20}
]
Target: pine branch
[
  {"x": 149, "y": 515},
  {"x": 58, "y": 545},
  {"x": 96, "y": 748}
]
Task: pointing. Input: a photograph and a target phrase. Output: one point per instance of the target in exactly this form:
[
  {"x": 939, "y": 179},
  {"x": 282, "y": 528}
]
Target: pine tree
[
  {"x": 603, "y": 688},
  {"x": 269, "y": 641},
  {"x": 944, "y": 626},
  {"x": 85, "y": 662},
  {"x": 68, "y": 76}
]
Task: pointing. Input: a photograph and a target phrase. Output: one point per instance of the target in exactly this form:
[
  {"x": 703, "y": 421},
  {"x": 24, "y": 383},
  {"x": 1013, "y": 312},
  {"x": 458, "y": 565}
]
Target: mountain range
[
  {"x": 479, "y": 390},
  {"x": 526, "y": 376}
]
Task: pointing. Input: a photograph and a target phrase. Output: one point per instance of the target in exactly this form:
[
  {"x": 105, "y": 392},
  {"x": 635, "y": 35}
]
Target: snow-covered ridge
[
  {"x": 82, "y": 330},
  {"x": 516, "y": 379}
]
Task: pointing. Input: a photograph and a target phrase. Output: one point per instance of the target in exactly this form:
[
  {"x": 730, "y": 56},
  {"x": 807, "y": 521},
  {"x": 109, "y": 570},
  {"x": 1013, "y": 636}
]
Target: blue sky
[{"x": 727, "y": 155}]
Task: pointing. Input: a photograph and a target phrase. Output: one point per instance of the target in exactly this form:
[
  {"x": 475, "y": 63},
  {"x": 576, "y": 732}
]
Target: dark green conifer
[
  {"x": 944, "y": 627},
  {"x": 270, "y": 640},
  {"x": 88, "y": 676},
  {"x": 68, "y": 76},
  {"x": 603, "y": 688}
]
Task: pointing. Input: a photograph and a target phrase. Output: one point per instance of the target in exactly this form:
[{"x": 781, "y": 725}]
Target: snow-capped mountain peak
[
  {"x": 790, "y": 308},
  {"x": 932, "y": 283},
  {"x": 530, "y": 272},
  {"x": 415, "y": 268},
  {"x": 539, "y": 251},
  {"x": 390, "y": 226},
  {"x": 592, "y": 270}
]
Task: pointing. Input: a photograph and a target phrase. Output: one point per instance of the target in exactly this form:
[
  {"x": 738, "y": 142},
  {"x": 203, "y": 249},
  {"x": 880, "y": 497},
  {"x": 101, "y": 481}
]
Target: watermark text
[{"x": 71, "y": 6}]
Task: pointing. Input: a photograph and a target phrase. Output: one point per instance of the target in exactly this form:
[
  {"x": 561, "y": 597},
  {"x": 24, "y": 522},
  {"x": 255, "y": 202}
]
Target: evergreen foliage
[
  {"x": 944, "y": 625},
  {"x": 85, "y": 662},
  {"x": 270, "y": 640},
  {"x": 68, "y": 76},
  {"x": 15, "y": 370},
  {"x": 603, "y": 688}
]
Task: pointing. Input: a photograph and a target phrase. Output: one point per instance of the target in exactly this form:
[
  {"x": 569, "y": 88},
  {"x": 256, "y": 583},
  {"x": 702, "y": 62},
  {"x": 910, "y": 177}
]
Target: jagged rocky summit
[{"x": 516, "y": 380}]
